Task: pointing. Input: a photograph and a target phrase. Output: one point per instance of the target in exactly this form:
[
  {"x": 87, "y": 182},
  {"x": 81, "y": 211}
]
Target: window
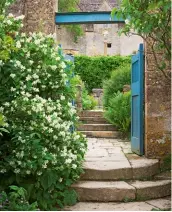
[{"x": 109, "y": 45}]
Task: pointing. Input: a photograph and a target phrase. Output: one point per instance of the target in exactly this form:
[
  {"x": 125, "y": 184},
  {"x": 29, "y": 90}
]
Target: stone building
[{"x": 98, "y": 39}]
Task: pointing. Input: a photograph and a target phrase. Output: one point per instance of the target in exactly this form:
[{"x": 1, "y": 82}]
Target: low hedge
[{"x": 94, "y": 70}]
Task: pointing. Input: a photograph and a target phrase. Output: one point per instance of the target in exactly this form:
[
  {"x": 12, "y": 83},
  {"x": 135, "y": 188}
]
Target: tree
[
  {"x": 151, "y": 19},
  {"x": 71, "y": 6}
]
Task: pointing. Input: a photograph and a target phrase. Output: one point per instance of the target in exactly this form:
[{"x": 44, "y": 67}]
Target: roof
[{"x": 94, "y": 5}]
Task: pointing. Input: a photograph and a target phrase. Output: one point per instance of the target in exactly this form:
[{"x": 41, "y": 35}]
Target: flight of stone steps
[
  {"x": 113, "y": 174},
  {"x": 112, "y": 177},
  {"x": 93, "y": 124}
]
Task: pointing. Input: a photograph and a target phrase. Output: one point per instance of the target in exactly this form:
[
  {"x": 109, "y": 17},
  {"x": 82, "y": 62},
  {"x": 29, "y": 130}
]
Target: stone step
[
  {"x": 117, "y": 167},
  {"x": 96, "y": 127},
  {"x": 101, "y": 134},
  {"x": 92, "y": 113},
  {"x": 161, "y": 204},
  {"x": 93, "y": 120},
  {"x": 109, "y": 191},
  {"x": 104, "y": 191},
  {"x": 163, "y": 175}
]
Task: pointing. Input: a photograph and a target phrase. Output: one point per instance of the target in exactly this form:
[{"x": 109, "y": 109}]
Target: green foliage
[
  {"x": 118, "y": 111},
  {"x": 150, "y": 19},
  {"x": 161, "y": 209},
  {"x": 166, "y": 163},
  {"x": 71, "y": 6},
  {"x": 120, "y": 77},
  {"x": 88, "y": 101},
  {"x": 16, "y": 200},
  {"x": 68, "y": 5},
  {"x": 40, "y": 153},
  {"x": 94, "y": 70}
]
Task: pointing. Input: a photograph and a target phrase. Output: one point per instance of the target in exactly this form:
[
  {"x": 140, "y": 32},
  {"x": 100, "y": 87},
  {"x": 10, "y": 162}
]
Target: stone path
[{"x": 115, "y": 177}]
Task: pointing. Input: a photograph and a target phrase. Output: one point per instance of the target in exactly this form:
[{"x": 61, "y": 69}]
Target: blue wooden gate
[{"x": 137, "y": 103}]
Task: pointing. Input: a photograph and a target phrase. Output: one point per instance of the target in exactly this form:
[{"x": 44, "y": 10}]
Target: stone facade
[
  {"x": 39, "y": 15},
  {"x": 94, "y": 42},
  {"x": 157, "y": 109}
]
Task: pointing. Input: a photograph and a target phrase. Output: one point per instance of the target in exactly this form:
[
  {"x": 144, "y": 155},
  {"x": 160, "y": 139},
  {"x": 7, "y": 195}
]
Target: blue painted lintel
[{"x": 86, "y": 18}]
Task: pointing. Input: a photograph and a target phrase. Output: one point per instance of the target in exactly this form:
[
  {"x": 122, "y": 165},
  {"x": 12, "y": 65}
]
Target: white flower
[
  {"x": 10, "y": 15},
  {"x": 63, "y": 65},
  {"x": 18, "y": 44},
  {"x": 18, "y": 63},
  {"x": 3, "y": 170},
  {"x": 7, "y": 104},
  {"x": 9, "y": 22},
  {"x": 37, "y": 42},
  {"x": 12, "y": 75},
  {"x": 44, "y": 166},
  {"x": 127, "y": 21},
  {"x": 16, "y": 171},
  {"x": 62, "y": 97},
  {"x": 53, "y": 67},
  {"x": 11, "y": 163},
  {"x": 55, "y": 137},
  {"x": 39, "y": 173},
  {"x": 23, "y": 34},
  {"x": 60, "y": 180},
  {"x": 31, "y": 62},
  {"x": 28, "y": 55},
  {"x": 68, "y": 161},
  {"x": 74, "y": 166},
  {"x": 28, "y": 172},
  {"x": 35, "y": 76},
  {"x": 13, "y": 89},
  {"x": 28, "y": 78},
  {"x": 50, "y": 130},
  {"x": 57, "y": 58},
  {"x": 1, "y": 109},
  {"x": 1, "y": 63}
]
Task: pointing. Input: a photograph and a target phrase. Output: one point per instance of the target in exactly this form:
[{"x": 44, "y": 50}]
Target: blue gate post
[
  {"x": 137, "y": 102},
  {"x": 71, "y": 58}
]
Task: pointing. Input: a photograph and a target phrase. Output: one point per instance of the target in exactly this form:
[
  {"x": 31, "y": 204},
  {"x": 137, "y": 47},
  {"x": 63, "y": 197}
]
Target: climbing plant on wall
[
  {"x": 151, "y": 20},
  {"x": 71, "y": 6}
]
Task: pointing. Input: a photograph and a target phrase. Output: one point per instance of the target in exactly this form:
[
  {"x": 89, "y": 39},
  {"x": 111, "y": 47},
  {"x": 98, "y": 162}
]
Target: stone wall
[
  {"x": 157, "y": 108},
  {"x": 93, "y": 42},
  {"x": 39, "y": 15}
]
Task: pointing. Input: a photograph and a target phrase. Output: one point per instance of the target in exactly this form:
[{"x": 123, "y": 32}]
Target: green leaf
[
  {"x": 70, "y": 197},
  {"x": 48, "y": 178},
  {"x": 4, "y": 130}
]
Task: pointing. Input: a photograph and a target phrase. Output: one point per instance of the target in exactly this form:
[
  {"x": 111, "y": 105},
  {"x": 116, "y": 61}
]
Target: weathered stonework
[
  {"x": 157, "y": 109},
  {"x": 94, "y": 42},
  {"x": 39, "y": 15}
]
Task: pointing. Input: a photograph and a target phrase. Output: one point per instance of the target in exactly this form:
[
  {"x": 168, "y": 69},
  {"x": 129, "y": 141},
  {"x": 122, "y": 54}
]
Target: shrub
[
  {"x": 93, "y": 70},
  {"x": 119, "y": 111},
  {"x": 40, "y": 153},
  {"x": 16, "y": 200},
  {"x": 120, "y": 77}
]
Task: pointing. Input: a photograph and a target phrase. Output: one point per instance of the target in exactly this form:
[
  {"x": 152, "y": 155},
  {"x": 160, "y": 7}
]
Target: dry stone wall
[
  {"x": 157, "y": 108},
  {"x": 39, "y": 15}
]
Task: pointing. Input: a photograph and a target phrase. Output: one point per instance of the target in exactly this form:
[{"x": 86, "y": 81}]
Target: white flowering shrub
[{"x": 42, "y": 152}]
